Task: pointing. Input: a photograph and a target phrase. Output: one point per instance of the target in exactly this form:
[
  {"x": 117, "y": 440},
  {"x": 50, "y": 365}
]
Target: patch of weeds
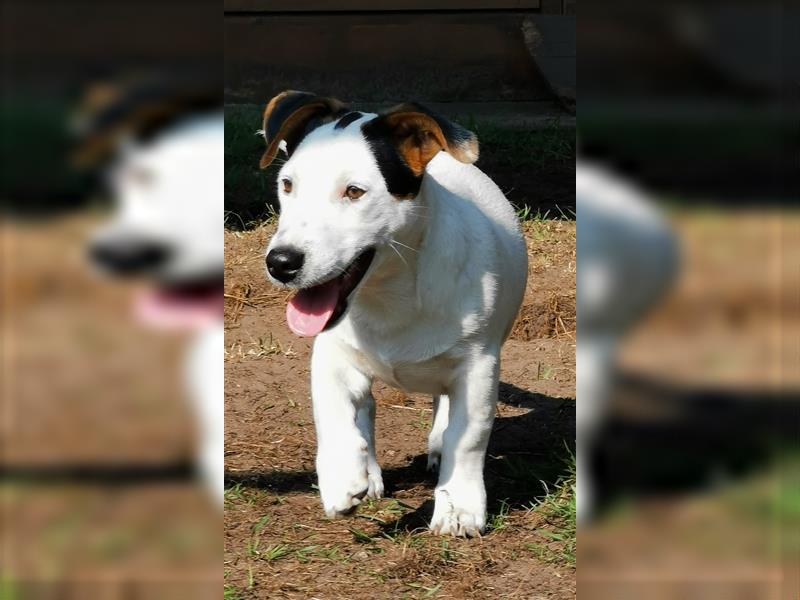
[
  {"x": 427, "y": 591},
  {"x": 235, "y": 222},
  {"x": 303, "y": 554},
  {"x": 237, "y": 493},
  {"x": 526, "y": 214},
  {"x": 422, "y": 422},
  {"x": 333, "y": 553},
  {"x": 558, "y": 509},
  {"x": 544, "y": 372},
  {"x": 263, "y": 346},
  {"x": 377, "y": 575},
  {"x": 228, "y": 593},
  {"x": 275, "y": 552},
  {"x": 252, "y": 548},
  {"x": 259, "y": 525},
  {"x": 447, "y": 554},
  {"x": 499, "y": 520},
  {"x": 362, "y": 537}
]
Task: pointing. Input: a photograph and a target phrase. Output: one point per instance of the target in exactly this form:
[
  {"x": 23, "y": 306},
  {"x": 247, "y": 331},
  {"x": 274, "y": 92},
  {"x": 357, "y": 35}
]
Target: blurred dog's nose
[
  {"x": 284, "y": 263},
  {"x": 128, "y": 256}
]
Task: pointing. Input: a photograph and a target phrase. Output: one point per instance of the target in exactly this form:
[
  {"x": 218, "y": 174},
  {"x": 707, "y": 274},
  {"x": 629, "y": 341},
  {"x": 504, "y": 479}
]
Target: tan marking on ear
[
  {"x": 418, "y": 138},
  {"x": 460, "y": 143},
  {"x": 272, "y": 145}
]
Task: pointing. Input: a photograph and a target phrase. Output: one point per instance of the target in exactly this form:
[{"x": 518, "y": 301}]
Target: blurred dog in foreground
[
  {"x": 627, "y": 257},
  {"x": 409, "y": 267},
  {"x": 166, "y": 178}
]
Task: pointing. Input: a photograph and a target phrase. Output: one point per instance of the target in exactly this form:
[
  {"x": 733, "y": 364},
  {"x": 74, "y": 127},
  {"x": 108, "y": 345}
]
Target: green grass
[
  {"x": 8, "y": 589},
  {"x": 231, "y": 593},
  {"x": 526, "y": 213},
  {"x": 520, "y": 147},
  {"x": 499, "y": 520},
  {"x": 36, "y": 135},
  {"x": 249, "y": 191},
  {"x": 236, "y": 493},
  {"x": 558, "y": 509}
]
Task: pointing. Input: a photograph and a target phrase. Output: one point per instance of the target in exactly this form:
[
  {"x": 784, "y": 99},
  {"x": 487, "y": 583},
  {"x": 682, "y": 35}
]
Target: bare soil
[
  {"x": 279, "y": 544},
  {"x": 96, "y": 441}
]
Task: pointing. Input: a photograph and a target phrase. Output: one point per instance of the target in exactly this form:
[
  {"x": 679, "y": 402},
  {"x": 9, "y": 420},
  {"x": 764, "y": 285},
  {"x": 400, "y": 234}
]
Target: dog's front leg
[
  {"x": 344, "y": 414},
  {"x": 460, "y": 507}
]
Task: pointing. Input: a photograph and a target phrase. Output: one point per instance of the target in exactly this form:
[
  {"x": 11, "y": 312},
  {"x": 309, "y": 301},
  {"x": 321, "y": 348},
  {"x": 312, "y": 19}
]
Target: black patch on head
[
  {"x": 144, "y": 109},
  {"x": 347, "y": 119},
  {"x": 400, "y": 179}
]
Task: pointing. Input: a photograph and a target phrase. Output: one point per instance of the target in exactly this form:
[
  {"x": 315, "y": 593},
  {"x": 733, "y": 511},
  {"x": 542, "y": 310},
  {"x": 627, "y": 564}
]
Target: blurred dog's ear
[
  {"x": 419, "y": 134},
  {"x": 291, "y": 115}
]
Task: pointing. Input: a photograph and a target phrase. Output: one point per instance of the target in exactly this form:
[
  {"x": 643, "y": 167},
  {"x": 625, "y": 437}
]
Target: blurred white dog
[
  {"x": 167, "y": 230},
  {"x": 627, "y": 256},
  {"x": 409, "y": 267}
]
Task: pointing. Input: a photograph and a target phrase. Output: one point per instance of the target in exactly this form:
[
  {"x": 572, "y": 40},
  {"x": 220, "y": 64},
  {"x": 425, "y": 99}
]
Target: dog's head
[
  {"x": 348, "y": 189},
  {"x": 168, "y": 193}
]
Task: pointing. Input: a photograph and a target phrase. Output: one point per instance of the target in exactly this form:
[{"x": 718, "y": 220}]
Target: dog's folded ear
[
  {"x": 419, "y": 134},
  {"x": 291, "y": 115}
]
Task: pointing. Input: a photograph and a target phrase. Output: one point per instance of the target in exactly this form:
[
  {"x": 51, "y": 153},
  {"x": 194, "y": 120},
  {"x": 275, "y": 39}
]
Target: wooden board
[
  {"x": 433, "y": 57},
  {"x": 373, "y": 6}
]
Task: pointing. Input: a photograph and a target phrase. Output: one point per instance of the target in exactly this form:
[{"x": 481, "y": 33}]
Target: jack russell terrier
[
  {"x": 409, "y": 267},
  {"x": 167, "y": 177}
]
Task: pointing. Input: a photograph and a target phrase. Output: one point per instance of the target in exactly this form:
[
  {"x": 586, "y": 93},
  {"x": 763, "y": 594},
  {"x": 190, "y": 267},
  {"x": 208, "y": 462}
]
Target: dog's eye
[
  {"x": 287, "y": 186},
  {"x": 353, "y": 192},
  {"x": 140, "y": 176}
]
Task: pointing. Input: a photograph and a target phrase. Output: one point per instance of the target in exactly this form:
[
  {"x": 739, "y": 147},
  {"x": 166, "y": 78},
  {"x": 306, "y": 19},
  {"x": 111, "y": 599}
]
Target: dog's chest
[{"x": 430, "y": 376}]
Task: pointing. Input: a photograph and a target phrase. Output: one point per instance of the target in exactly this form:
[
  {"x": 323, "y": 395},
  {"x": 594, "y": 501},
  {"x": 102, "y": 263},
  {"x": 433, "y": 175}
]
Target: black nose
[
  {"x": 129, "y": 256},
  {"x": 284, "y": 263}
]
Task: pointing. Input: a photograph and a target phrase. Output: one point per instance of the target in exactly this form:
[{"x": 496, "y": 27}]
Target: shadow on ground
[
  {"x": 528, "y": 455},
  {"x": 664, "y": 438}
]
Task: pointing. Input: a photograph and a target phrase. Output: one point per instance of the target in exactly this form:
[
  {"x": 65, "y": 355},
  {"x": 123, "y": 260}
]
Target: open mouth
[
  {"x": 313, "y": 310},
  {"x": 185, "y": 304}
]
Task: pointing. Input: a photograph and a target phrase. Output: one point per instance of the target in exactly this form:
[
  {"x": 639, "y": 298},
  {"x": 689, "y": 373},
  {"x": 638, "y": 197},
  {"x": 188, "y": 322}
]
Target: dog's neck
[{"x": 394, "y": 287}]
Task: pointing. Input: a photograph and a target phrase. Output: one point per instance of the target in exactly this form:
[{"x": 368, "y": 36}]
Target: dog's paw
[
  {"x": 452, "y": 516},
  {"x": 345, "y": 480},
  {"x": 375, "y": 477}
]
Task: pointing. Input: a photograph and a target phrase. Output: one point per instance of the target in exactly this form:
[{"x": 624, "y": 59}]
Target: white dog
[
  {"x": 627, "y": 257},
  {"x": 168, "y": 229},
  {"x": 409, "y": 267}
]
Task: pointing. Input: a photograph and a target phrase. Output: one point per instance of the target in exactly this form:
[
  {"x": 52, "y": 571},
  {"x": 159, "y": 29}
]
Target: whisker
[
  {"x": 396, "y": 251},
  {"x": 404, "y": 246}
]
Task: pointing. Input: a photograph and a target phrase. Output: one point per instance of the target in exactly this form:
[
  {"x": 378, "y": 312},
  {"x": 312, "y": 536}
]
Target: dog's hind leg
[
  {"x": 365, "y": 421},
  {"x": 460, "y": 506},
  {"x": 441, "y": 407}
]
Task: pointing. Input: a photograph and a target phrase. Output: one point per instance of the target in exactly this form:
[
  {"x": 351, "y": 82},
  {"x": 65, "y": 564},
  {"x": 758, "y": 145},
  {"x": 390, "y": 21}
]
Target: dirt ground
[
  {"x": 279, "y": 544},
  {"x": 96, "y": 440},
  {"x": 700, "y": 457}
]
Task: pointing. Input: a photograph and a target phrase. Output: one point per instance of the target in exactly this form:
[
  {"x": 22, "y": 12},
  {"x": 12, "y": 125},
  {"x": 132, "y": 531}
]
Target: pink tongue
[
  {"x": 164, "y": 310},
  {"x": 309, "y": 311}
]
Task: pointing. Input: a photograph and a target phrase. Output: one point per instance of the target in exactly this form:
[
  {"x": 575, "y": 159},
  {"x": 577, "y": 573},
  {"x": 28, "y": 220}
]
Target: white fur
[
  {"x": 627, "y": 256},
  {"x": 205, "y": 379},
  {"x": 430, "y": 316},
  {"x": 172, "y": 190}
]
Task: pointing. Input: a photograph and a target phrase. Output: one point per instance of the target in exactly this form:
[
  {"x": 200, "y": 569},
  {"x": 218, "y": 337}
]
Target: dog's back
[{"x": 490, "y": 229}]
